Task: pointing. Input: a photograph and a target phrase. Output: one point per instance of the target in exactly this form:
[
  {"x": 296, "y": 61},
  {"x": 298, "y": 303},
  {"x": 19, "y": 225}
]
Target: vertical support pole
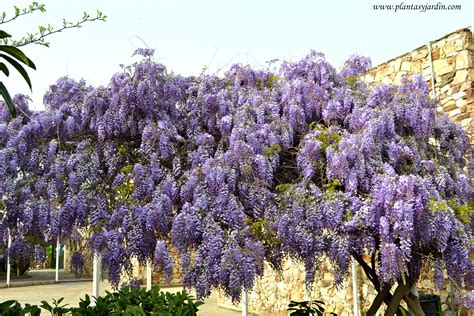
[
  {"x": 452, "y": 297},
  {"x": 148, "y": 275},
  {"x": 95, "y": 276},
  {"x": 354, "y": 288},
  {"x": 432, "y": 70},
  {"x": 8, "y": 259},
  {"x": 58, "y": 251},
  {"x": 245, "y": 306}
]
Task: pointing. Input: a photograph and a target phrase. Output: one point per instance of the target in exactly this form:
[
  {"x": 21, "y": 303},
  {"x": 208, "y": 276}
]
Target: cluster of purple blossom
[{"x": 232, "y": 171}]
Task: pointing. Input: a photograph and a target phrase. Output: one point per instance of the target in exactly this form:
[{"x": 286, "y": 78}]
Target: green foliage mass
[{"x": 128, "y": 301}]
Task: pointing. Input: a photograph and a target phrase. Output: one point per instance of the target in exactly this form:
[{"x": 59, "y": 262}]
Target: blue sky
[{"x": 189, "y": 35}]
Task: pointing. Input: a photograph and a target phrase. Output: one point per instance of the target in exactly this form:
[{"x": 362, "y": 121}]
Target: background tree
[{"x": 10, "y": 46}]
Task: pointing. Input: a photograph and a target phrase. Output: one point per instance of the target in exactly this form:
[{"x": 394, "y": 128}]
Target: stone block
[
  {"x": 396, "y": 64},
  {"x": 454, "y": 112},
  {"x": 458, "y": 44},
  {"x": 463, "y": 60},
  {"x": 449, "y": 47},
  {"x": 405, "y": 66},
  {"x": 378, "y": 76},
  {"x": 419, "y": 53},
  {"x": 444, "y": 89},
  {"x": 387, "y": 80},
  {"x": 459, "y": 94},
  {"x": 466, "y": 122},
  {"x": 449, "y": 106},
  {"x": 460, "y": 77},
  {"x": 442, "y": 67},
  {"x": 451, "y": 58},
  {"x": 469, "y": 93},
  {"x": 462, "y": 117},
  {"x": 455, "y": 88},
  {"x": 388, "y": 71},
  {"x": 368, "y": 79},
  {"x": 461, "y": 102},
  {"x": 426, "y": 73},
  {"x": 445, "y": 79},
  {"x": 415, "y": 67}
]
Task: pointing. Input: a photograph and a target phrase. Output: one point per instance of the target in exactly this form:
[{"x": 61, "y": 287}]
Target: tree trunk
[
  {"x": 413, "y": 303},
  {"x": 379, "y": 299},
  {"x": 401, "y": 291},
  {"x": 371, "y": 274}
]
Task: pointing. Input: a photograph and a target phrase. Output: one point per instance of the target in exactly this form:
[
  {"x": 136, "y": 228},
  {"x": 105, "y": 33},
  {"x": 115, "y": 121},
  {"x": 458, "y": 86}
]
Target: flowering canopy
[{"x": 236, "y": 170}]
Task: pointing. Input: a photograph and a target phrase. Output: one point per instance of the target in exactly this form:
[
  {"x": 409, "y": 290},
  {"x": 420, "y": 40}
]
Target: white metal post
[
  {"x": 58, "y": 251},
  {"x": 451, "y": 294},
  {"x": 95, "y": 276},
  {"x": 245, "y": 306},
  {"x": 9, "y": 244},
  {"x": 354, "y": 288},
  {"x": 148, "y": 275}
]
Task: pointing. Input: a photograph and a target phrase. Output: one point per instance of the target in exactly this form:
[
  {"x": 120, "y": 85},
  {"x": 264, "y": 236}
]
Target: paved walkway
[
  {"x": 38, "y": 277},
  {"x": 72, "y": 291}
]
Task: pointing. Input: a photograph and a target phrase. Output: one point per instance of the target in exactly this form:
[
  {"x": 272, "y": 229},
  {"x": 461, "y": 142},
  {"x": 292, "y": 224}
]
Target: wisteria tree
[{"x": 307, "y": 162}]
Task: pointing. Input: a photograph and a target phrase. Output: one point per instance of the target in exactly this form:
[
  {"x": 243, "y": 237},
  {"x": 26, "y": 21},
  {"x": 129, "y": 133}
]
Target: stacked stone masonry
[
  {"x": 452, "y": 67},
  {"x": 452, "y": 60}
]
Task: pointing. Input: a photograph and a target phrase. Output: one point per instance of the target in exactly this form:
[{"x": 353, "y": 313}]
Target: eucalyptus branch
[
  {"x": 44, "y": 31},
  {"x": 34, "y": 6}
]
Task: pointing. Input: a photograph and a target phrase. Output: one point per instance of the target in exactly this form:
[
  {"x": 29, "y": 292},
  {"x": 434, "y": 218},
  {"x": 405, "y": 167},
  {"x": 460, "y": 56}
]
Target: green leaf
[
  {"x": 18, "y": 67},
  {"x": 4, "y": 68},
  {"x": 45, "y": 305},
  {"x": 135, "y": 311},
  {"x": 18, "y": 54},
  {"x": 7, "y": 304},
  {"x": 4, "y": 34},
  {"x": 8, "y": 99}
]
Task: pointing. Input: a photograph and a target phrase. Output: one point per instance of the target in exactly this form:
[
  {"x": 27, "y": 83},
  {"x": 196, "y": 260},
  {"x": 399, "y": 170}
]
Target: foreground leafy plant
[
  {"x": 13, "y": 308},
  {"x": 56, "y": 309},
  {"x": 307, "y": 308},
  {"x": 128, "y": 301}
]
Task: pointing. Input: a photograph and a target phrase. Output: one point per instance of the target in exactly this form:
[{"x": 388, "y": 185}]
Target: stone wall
[
  {"x": 452, "y": 60},
  {"x": 157, "y": 278},
  {"x": 272, "y": 292}
]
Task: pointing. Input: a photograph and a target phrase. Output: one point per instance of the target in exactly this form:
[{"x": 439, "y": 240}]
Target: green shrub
[
  {"x": 306, "y": 308},
  {"x": 127, "y": 301}
]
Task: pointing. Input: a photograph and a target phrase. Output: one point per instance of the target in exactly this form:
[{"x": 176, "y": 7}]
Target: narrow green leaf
[
  {"x": 8, "y": 100},
  {"x": 4, "y": 68},
  {"x": 18, "y": 54},
  {"x": 4, "y": 34},
  {"x": 6, "y": 304},
  {"x": 18, "y": 67}
]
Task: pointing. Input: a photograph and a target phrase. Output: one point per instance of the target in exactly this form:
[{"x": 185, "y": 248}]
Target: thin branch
[
  {"x": 31, "y": 9},
  {"x": 40, "y": 40}
]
